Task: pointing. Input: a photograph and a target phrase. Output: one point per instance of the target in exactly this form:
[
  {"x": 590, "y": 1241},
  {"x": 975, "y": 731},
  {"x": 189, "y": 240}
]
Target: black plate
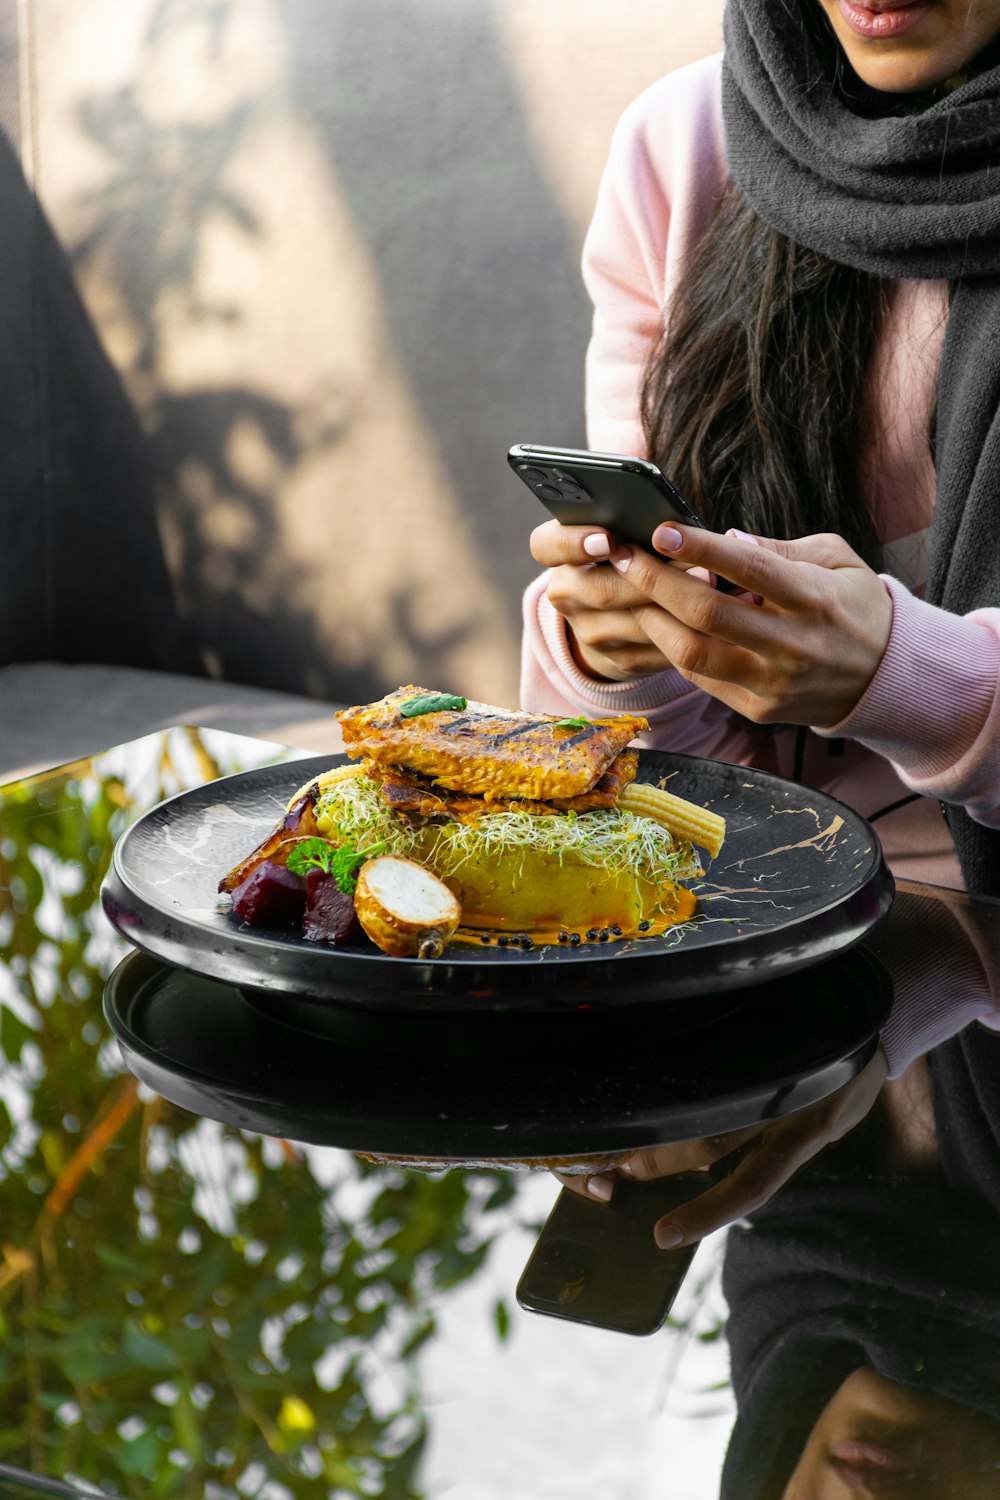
[
  {"x": 614, "y": 1084},
  {"x": 801, "y": 877}
]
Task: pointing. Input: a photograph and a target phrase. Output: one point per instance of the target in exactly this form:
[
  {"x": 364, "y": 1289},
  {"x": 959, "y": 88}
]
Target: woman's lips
[
  {"x": 871, "y": 1466},
  {"x": 883, "y": 20}
]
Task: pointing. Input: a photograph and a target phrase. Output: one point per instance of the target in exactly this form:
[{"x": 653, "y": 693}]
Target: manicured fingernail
[
  {"x": 626, "y": 1169},
  {"x": 668, "y": 1235},
  {"x": 622, "y": 559},
  {"x": 599, "y": 1187},
  {"x": 667, "y": 538},
  {"x": 742, "y": 536},
  {"x": 703, "y": 574},
  {"x": 597, "y": 544}
]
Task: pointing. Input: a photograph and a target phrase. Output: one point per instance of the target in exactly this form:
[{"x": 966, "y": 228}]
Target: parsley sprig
[{"x": 342, "y": 862}]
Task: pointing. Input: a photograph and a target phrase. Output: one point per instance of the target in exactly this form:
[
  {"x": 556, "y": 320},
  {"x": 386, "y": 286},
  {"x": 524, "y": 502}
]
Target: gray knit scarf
[{"x": 910, "y": 193}]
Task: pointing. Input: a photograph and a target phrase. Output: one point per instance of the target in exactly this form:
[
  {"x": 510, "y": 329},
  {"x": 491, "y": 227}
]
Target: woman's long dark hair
[{"x": 753, "y": 400}]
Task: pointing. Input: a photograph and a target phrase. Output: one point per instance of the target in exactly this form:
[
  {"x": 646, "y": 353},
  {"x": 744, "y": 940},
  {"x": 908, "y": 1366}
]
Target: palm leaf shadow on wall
[
  {"x": 484, "y": 355},
  {"x": 146, "y": 225}
]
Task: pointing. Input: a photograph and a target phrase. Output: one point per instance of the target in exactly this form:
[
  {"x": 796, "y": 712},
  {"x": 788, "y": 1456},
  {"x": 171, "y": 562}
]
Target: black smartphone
[
  {"x": 598, "y": 1263},
  {"x": 628, "y": 496}
]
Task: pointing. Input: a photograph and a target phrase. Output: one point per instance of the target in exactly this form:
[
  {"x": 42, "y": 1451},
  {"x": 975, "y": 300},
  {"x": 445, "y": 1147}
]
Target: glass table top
[{"x": 188, "y": 1308}]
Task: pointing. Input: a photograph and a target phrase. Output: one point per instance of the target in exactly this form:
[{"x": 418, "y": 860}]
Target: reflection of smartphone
[
  {"x": 628, "y": 496},
  {"x": 598, "y": 1262}
]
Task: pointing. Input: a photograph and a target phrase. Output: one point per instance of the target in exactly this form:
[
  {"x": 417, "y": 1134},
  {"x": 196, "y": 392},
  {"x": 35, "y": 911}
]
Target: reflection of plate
[
  {"x": 605, "y": 1086},
  {"x": 800, "y": 878}
]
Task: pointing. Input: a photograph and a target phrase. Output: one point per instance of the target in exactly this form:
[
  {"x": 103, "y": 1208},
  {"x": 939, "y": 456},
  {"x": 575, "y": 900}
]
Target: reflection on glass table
[{"x": 190, "y": 1308}]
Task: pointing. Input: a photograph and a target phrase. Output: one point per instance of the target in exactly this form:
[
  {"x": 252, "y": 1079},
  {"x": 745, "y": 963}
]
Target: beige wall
[{"x": 332, "y": 246}]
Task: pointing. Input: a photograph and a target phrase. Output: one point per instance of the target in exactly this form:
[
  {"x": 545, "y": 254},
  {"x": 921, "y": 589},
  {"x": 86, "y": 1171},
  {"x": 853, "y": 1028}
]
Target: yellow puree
[{"x": 527, "y": 890}]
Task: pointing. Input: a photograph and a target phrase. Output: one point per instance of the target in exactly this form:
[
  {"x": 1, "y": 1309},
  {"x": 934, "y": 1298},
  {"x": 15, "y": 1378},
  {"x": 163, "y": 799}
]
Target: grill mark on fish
[
  {"x": 469, "y": 725},
  {"x": 581, "y": 736}
]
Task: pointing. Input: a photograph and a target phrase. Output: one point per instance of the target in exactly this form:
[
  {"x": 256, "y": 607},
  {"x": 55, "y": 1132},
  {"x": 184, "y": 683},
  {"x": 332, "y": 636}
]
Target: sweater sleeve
[
  {"x": 665, "y": 170},
  {"x": 933, "y": 706},
  {"x": 941, "y": 953}
]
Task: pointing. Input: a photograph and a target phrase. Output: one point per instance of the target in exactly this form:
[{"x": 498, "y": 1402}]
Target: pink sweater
[{"x": 930, "y": 719}]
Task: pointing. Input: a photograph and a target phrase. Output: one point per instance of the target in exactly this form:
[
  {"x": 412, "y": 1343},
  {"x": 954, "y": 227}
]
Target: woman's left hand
[
  {"x": 800, "y": 646},
  {"x": 773, "y": 1153}
]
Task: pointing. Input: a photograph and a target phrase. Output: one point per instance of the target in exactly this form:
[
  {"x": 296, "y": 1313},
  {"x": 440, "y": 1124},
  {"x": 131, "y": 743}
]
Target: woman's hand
[
  {"x": 800, "y": 646},
  {"x": 596, "y": 602},
  {"x": 772, "y": 1154}
]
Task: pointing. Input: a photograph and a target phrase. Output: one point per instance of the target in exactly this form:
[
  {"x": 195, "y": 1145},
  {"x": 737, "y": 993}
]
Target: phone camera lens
[
  {"x": 571, "y": 487},
  {"x": 548, "y": 492},
  {"x": 533, "y": 476}
]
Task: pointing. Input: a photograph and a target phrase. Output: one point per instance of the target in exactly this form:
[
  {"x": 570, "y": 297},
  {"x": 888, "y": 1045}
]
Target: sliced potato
[{"x": 405, "y": 909}]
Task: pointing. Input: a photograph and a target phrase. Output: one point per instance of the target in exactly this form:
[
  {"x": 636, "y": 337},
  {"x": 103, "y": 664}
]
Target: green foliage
[
  {"x": 501, "y": 1317},
  {"x": 180, "y": 1301}
]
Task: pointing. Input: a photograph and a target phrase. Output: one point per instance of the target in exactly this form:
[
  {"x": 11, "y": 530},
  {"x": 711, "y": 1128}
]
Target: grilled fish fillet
[
  {"x": 488, "y": 751},
  {"x": 409, "y": 792}
]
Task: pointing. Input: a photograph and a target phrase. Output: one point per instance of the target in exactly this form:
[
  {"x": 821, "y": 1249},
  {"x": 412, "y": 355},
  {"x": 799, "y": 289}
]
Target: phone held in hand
[
  {"x": 627, "y": 496},
  {"x": 598, "y": 1263}
]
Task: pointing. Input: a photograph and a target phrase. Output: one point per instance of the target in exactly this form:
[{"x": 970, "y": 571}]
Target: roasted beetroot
[
  {"x": 270, "y": 896},
  {"x": 329, "y": 916}
]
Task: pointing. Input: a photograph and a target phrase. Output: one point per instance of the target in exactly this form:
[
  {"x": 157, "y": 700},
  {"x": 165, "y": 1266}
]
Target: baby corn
[
  {"x": 684, "y": 819},
  {"x": 325, "y": 781}
]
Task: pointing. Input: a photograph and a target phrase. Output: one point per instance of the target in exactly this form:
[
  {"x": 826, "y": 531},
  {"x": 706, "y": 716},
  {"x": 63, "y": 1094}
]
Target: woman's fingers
[
  {"x": 773, "y": 1158},
  {"x": 772, "y": 1155},
  {"x": 685, "y": 1156},
  {"x": 606, "y": 637},
  {"x": 764, "y": 1169},
  {"x": 553, "y": 544},
  {"x": 806, "y": 656},
  {"x": 759, "y": 565},
  {"x": 654, "y": 1162},
  {"x": 573, "y": 588},
  {"x": 598, "y": 1187}
]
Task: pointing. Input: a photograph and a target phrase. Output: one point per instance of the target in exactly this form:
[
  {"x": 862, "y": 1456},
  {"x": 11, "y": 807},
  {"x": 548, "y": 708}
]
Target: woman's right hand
[{"x": 596, "y": 603}]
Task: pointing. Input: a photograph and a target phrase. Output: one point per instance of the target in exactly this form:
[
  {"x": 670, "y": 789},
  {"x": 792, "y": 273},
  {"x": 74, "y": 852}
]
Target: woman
[{"x": 818, "y": 214}]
